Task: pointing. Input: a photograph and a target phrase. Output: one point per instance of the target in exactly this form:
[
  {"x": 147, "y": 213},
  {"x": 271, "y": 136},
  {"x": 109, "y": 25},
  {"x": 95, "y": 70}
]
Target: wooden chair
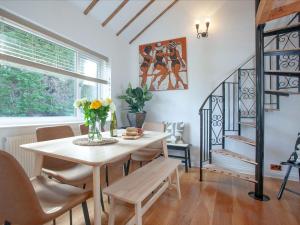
[
  {"x": 35, "y": 201},
  {"x": 65, "y": 172},
  {"x": 153, "y": 150},
  {"x": 83, "y": 129}
]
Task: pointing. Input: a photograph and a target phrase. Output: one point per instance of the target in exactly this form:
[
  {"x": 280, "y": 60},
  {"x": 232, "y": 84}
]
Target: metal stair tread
[
  {"x": 293, "y": 51},
  {"x": 282, "y": 73},
  {"x": 282, "y": 30},
  {"x": 281, "y": 92},
  {"x": 241, "y": 139},
  {"x": 272, "y": 110},
  {"x": 247, "y": 123},
  {"x": 233, "y": 155},
  {"x": 228, "y": 172}
]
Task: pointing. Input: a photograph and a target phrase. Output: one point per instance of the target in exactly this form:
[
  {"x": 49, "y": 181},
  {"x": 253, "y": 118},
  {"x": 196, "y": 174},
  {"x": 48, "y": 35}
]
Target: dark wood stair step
[
  {"x": 241, "y": 139},
  {"x": 282, "y": 30},
  {"x": 233, "y": 155},
  {"x": 293, "y": 51},
  {"x": 283, "y": 73},
  {"x": 217, "y": 169},
  {"x": 248, "y": 123},
  {"x": 281, "y": 92}
]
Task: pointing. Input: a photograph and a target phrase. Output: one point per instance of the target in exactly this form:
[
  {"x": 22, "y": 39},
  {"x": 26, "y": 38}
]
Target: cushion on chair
[{"x": 175, "y": 129}]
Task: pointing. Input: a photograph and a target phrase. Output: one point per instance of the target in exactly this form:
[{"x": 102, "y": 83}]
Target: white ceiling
[{"x": 105, "y": 7}]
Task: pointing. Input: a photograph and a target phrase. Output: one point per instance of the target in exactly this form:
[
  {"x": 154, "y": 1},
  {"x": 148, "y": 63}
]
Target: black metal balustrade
[{"x": 234, "y": 100}]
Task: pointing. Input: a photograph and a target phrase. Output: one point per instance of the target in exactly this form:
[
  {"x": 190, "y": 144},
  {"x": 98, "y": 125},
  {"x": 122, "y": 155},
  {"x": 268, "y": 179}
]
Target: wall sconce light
[{"x": 203, "y": 34}]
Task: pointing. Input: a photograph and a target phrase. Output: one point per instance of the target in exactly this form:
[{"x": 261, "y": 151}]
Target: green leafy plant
[{"x": 136, "y": 98}]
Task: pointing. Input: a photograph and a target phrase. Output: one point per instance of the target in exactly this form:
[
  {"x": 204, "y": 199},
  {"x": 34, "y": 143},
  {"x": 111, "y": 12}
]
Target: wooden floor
[{"x": 219, "y": 200}]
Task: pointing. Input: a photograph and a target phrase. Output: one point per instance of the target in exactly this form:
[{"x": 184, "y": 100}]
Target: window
[{"x": 41, "y": 77}]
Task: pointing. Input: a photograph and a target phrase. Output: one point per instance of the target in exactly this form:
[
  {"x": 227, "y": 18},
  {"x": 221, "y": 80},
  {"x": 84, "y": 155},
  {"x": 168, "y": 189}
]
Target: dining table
[{"x": 94, "y": 156}]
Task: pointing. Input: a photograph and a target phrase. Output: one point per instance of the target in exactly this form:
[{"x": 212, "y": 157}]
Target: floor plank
[{"x": 218, "y": 200}]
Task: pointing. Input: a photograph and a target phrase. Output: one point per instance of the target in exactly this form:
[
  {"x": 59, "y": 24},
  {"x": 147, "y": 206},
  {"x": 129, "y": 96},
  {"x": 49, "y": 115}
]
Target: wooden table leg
[
  {"x": 111, "y": 219},
  {"x": 166, "y": 155},
  {"x": 96, "y": 192},
  {"x": 38, "y": 165},
  {"x": 178, "y": 184},
  {"x": 165, "y": 148}
]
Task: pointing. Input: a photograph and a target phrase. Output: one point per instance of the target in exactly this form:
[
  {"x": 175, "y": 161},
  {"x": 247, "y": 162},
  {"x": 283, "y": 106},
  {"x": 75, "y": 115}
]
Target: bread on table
[{"x": 133, "y": 131}]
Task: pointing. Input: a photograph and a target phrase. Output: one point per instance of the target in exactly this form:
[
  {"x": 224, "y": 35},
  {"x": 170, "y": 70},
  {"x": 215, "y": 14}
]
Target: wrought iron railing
[{"x": 235, "y": 97}]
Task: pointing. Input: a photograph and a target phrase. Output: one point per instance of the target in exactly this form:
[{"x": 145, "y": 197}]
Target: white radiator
[{"x": 25, "y": 158}]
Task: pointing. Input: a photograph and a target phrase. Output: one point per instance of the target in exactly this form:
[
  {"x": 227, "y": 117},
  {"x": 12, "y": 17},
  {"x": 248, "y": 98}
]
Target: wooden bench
[{"x": 137, "y": 186}]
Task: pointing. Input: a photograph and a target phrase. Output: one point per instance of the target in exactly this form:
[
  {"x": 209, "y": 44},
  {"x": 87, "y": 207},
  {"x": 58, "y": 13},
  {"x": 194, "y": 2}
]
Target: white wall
[
  {"x": 67, "y": 20},
  {"x": 230, "y": 43}
]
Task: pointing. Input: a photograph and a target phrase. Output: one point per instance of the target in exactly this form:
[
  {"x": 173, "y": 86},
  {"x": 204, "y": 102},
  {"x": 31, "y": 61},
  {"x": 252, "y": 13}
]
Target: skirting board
[{"x": 277, "y": 175}]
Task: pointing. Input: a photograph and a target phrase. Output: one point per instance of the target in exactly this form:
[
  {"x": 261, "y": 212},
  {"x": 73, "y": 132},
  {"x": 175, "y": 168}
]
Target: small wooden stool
[
  {"x": 282, "y": 188},
  {"x": 187, "y": 154}
]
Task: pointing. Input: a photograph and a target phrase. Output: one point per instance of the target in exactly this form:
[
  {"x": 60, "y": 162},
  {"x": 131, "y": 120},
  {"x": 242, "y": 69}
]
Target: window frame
[{"x": 80, "y": 51}]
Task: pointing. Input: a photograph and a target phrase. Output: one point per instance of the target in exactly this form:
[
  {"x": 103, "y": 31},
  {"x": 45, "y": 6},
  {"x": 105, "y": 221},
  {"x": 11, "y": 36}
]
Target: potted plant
[{"x": 136, "y": 98}]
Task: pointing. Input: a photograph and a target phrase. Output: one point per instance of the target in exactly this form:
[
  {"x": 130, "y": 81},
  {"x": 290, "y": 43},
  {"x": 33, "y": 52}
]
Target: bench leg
[
  {"x": 138, "y": 213},
  {"x": 111, "y": 219},
  {"x": 284, "y": 182},
  {"x": 178, "y": 184}
]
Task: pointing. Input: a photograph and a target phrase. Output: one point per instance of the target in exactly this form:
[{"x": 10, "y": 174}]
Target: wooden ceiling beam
[
  {"x": 274, "y": 9},
  {"x": 153, "y": 21},
  {"x": 90, "y": 6},
  {"x": 115, "y": 12},
  {"x": 135, "y": 17}
]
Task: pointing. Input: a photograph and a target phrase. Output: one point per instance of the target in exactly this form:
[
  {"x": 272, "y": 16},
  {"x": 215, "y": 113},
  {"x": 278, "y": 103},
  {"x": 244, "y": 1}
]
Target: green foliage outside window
[{"x": 24, "y": 93}]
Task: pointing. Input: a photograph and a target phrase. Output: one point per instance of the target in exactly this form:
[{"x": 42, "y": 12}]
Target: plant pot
[{"x": 136, "y": 119}]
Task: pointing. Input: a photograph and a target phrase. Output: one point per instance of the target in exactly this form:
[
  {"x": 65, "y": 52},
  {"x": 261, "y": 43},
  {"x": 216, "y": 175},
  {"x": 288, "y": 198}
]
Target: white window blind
[
  {"x": 24, "y": 45},
  {"x": 21, "y": 46}
]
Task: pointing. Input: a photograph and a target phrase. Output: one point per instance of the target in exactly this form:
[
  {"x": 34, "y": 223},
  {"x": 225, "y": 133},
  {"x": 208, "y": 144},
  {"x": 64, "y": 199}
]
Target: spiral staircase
[{"x": 243, "y": 98}]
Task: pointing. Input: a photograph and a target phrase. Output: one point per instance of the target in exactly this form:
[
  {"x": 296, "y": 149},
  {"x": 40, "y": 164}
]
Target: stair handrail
[{"x": 243, "y": 64}]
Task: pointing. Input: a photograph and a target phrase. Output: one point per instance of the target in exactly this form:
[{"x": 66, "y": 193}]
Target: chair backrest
[
  {"x": 51, "y": 133},
  {"x": 83, "y": 129},
  {"x": 151, "y": 126},
  {"x": 18, "y": 201}
]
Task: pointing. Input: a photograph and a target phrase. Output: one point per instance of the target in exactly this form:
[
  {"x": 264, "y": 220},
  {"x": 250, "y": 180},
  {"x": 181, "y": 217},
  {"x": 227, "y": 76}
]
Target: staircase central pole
[{"x": 260, "y": 119}]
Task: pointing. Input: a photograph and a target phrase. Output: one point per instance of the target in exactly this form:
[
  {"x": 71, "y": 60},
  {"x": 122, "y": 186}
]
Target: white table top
[{"x": 92, "y": 155}]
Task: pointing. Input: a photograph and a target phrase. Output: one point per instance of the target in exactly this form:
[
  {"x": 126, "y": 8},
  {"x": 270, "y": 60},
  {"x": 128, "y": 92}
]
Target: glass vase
[{"x": 94, "y": 134}]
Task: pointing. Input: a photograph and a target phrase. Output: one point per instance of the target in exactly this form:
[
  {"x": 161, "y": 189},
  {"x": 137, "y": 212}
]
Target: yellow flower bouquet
[{"x": 95, "y": 115}]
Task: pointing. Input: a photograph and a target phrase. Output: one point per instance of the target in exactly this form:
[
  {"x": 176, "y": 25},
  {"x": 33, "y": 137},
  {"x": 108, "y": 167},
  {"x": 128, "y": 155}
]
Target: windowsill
[
  {"x": 37, "y": 122},
  {"x": 10, "y": 122}
]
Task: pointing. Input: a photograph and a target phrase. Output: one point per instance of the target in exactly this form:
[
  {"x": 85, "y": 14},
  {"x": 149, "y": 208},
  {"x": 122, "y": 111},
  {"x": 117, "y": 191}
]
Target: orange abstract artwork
[{"x": 163, "y": 65}]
